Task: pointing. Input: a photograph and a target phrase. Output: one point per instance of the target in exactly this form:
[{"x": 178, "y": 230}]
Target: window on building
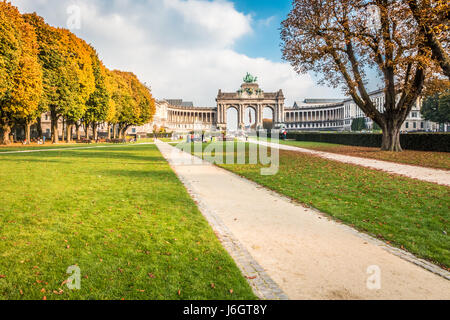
[
  {"x": 422, "y": 125},
  {"x": 407, "y": 125},
  {"x": 415, "y": 125}
]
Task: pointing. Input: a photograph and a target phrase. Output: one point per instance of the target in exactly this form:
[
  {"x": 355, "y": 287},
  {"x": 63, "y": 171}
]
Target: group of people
[{"x": 40, "y": 141}]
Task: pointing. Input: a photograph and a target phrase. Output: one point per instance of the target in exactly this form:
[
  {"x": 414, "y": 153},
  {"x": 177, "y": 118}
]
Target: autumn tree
[
  {"x": 343, "y": 39},
  {"x": 433, "y": 19},
  {"x": 20, "y": 72},
  {"x": 57, "y": 83},
  {"x": 112, "y": 87},
  {"x": 137, "y": 104},
  {"x": 80, "y": 77},
  {"x": 98, "y": 102}
]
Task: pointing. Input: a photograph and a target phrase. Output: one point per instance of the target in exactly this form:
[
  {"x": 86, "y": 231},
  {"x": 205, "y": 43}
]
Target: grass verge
[
  {"x": 403, "y": 212},
  {"x": 438, "y": 160},
  {"x": 119, "y": 214}
]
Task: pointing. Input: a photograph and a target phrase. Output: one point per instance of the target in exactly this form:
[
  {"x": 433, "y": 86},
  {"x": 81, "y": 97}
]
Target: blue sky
[
  {"x": 188, "y": 49},
  {"x": 268, "y": 15}
]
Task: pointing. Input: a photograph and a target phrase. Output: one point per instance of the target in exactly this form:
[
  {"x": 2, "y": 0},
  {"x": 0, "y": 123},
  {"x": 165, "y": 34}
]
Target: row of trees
[
  {"x": 48, "y": 69},
  {"x": 406, "y": 41}
]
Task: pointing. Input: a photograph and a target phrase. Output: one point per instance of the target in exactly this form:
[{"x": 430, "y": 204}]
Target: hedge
[{"x": 412, "y": 141}]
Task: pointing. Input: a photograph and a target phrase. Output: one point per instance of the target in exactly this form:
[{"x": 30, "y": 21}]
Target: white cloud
[{"x": 182, "y": 48}]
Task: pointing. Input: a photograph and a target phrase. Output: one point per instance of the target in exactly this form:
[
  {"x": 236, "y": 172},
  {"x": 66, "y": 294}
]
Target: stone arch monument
[{"x": 250, "y": 95}]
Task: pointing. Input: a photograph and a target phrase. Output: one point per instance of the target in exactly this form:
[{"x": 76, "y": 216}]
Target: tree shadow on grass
[
  {"x": 34, "y": 160},
  {"x": 154, "y": 173},
  {"x": 85, "y": 155}
]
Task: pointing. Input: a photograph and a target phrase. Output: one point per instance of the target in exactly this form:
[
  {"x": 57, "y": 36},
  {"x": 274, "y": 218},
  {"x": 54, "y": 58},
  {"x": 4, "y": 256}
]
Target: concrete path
[
  {"x": 441, "y": 177},
  {"x": 307, "y": 254}
]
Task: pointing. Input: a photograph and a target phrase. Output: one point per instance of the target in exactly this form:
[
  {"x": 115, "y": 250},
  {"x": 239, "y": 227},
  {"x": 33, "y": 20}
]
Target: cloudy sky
[{"x": 186, "y": 49}]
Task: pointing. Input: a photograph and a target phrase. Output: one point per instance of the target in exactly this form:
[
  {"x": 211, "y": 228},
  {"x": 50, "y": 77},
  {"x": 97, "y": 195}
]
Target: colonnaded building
[{"x": 252, "y": 108}]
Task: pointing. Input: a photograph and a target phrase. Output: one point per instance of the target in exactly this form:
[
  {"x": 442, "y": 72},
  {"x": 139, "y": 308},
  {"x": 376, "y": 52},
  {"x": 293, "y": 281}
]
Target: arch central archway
[
  {"x": 250, "y": 118},
  {"x": 268, "y": 118},
  {"x": 232, "y": 120}
]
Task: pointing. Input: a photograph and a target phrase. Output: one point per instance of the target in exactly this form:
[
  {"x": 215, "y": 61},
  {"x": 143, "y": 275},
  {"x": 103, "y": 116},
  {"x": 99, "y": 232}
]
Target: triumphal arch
[{"x": 250, "y": 96}]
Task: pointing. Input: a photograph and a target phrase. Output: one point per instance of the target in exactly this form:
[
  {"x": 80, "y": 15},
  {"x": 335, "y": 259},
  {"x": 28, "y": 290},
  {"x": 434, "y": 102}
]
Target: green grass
[
  {"x": 407, "y": 213},
  {"x": 121, "y": 215},
  {"x": 58, "y": 146},
  {"x": 438, "y": 160}
]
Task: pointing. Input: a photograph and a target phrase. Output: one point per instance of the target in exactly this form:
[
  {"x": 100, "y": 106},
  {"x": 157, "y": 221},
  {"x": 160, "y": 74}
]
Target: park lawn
[
  {"x": 439, "y": 160},
  {"x": 406, "y": 213},
  {"x": 121, "y": 215},
  {"x": 50, "y": 146}
]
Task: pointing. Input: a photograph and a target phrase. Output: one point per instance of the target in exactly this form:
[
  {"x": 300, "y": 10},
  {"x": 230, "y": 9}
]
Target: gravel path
[
  {"x": 308, "y": 255},
  {"x": 441, "y": 177}
]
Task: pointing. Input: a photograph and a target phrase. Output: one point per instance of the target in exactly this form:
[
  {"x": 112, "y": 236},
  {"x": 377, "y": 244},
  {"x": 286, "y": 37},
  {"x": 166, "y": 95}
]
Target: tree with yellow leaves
[
  {"x": 20, "y": 72},
  {"x": 342, "y": 39},
  {"x": 67, "y": 73},
  {"x": 433, "y": 19},
  {"x": 97, "y": 103},
  {"x": 137, "y": 105},
  {"x": 77, "y": 55},
  {"x": 111, "y": 82}
]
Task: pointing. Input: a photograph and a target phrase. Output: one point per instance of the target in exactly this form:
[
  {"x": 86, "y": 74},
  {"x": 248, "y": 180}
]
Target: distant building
[
  {"x": 251, "y": 102},
  {"x": 309, "y": 115}
]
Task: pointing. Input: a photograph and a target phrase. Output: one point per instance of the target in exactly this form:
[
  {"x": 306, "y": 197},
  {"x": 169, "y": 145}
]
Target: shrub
[{"x": 412, "y": 141}]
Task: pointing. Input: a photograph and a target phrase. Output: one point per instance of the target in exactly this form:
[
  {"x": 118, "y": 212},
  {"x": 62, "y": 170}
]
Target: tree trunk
[
  {"x": 39, "y": 127},
  {"x": 55, "y": 133},
  {"x": 114, "y": 131},
  {"x": 124, "y": 132},
  {"x": 77, "y": 125},
  {"x": 95, "y": 131},
  {"x": 27, "y": 128},
  {"x": 109, "y": 131},
  {"x": 69, "y": 132},
  {"x": 86, "y": 128},
  {"x": 5, "y": 130},
  {"x": 391, "y": 135},
  {"x": 63, "y": 136}
]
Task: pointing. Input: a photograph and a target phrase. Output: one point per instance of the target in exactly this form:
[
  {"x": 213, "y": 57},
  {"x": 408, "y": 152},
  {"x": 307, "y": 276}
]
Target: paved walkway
[
  {"x": 441, "y": 177},
  {"x": 306, "y": 254}
]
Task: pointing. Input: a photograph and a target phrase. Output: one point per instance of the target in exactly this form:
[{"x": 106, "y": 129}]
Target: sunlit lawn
[
  {"x": 118, "y": 213},
  {"x": 49, "y": 146},
  {"x": 407, "y": 213},
  {"x": 440, "y": 160}
]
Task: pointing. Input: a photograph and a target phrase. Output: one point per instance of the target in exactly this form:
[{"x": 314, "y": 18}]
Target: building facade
[
  {"x": 255, "y": 109},
  {"x": 310, "y": 115}
]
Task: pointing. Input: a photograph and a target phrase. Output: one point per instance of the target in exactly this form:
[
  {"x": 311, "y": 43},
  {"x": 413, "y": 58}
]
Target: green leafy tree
[
  {"x": 436, "y": 108},
  {"x": 359, "y": 124}
]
